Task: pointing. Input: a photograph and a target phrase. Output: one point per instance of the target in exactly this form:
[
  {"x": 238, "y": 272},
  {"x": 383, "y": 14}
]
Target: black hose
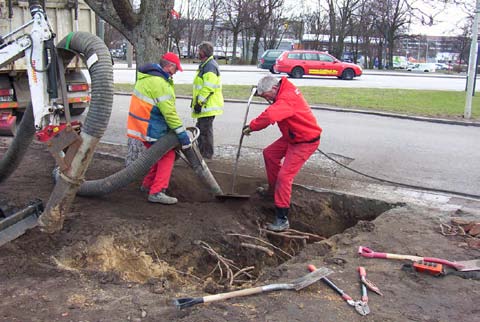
[
  {"x": 399, "y": 184},
  {"x": 135, "y": 170},
  {"x": 17, "y": 149},
  {"x": 101, "y": 75}
]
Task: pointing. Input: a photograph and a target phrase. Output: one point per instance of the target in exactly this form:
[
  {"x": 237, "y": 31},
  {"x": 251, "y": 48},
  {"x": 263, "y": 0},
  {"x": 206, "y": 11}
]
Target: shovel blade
[
  {"x": 231, "y": 196},
  {"x": 470, "y": 265},
  {"x": 311, "y": 278}
]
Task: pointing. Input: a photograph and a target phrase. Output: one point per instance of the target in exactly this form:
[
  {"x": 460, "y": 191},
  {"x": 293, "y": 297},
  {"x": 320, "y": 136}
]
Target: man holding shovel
[{"x": 300, "y": 138}]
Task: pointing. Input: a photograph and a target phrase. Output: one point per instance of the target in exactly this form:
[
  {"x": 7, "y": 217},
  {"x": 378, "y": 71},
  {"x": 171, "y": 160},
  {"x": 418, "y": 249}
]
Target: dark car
[
  {"x": 268, "y": 59},
  {"x": 297, "y": 63}
]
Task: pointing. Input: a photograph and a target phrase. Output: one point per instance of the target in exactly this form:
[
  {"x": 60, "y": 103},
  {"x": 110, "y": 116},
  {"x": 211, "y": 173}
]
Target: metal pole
[
  {"x": 101, "y": 29},
  {"x": 476, "y": 72},
  {"x": 471, "y": 63}
]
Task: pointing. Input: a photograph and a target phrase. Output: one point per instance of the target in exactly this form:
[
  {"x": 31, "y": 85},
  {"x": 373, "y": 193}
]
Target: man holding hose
[
  {"x": 300, "y": 138},
  {"x": 152, "y": 115}
]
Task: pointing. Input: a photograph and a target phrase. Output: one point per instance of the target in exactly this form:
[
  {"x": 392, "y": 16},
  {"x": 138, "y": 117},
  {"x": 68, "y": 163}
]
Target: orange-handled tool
[
  {"x": 366, "y": 282},
  {"x": 358, "y": 305}
]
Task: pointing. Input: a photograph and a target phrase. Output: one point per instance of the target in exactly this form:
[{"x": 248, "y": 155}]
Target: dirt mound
[{"x": 121, "y": 258}]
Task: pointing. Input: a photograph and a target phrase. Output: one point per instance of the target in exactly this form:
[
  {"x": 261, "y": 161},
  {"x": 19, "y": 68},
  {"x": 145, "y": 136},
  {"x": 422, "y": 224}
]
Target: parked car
[
  {"x": 422, "y": 67},
  {"x": 443, "y": 66},
  {"x": 297, "y": 63},
  {"x": 268, "y": 59}
]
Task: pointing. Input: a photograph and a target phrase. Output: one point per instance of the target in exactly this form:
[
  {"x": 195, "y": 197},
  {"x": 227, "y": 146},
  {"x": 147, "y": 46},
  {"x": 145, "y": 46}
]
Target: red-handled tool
[
  {"x": 358, "y": 305},
  {"x": 364, "y": 301},
  {"x": 460, "y": 266},
  {"x": 369, "y": 284}
]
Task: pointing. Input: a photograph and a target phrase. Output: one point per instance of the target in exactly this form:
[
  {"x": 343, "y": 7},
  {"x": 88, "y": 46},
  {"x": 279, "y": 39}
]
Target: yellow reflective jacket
[
  {"x": 152, "y": 111},
  {"x": 207, "y": 89}
]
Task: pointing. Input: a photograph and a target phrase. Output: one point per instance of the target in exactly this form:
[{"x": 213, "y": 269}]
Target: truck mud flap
[{"x": 15, "y": 225}]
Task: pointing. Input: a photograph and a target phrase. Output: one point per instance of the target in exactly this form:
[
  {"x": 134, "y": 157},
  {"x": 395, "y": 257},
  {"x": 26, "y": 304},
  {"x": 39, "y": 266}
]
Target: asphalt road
[
  {"x": 439, "y": 156},
  {"x": 249, "y": 75}
]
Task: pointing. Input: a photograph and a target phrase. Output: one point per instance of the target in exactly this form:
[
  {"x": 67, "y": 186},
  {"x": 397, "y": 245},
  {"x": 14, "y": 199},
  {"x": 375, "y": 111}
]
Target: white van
[{"x": 422, "y": 67}]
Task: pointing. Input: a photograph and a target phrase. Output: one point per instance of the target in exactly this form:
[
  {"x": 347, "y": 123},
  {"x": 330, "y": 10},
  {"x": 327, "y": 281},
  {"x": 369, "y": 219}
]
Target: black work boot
[{"x": 281, "y": 221}]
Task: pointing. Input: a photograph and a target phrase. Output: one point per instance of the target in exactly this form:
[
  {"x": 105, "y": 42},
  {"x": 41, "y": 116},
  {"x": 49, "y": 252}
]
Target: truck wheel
[
  {"x": 76, "y": 111},
  {"x": 297, "y": 72}
]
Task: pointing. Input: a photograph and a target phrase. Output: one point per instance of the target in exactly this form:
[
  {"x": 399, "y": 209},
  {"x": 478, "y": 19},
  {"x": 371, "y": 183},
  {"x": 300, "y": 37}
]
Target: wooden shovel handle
[{"x": 224, "y": 296}]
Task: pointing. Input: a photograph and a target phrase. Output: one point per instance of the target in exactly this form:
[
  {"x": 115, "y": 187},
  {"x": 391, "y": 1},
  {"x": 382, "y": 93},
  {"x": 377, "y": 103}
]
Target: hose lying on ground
[
  {"x": 140, "y": 167},
  {"x": 19, "y": 145}
]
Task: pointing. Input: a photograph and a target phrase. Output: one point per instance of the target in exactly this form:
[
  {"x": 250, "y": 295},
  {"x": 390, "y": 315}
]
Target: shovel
[
  {"x": 232, "y": 194},
  {"x": 462, "y": 266},
  {"x": 296, "y": 285}
]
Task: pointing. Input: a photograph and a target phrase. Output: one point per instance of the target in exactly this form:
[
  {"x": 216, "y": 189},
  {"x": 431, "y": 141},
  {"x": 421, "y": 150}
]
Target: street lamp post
[{"x": 472, "y": 64}]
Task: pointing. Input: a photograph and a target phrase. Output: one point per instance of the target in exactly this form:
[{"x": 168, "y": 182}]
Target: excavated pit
[{"x": 199, "y": 243}]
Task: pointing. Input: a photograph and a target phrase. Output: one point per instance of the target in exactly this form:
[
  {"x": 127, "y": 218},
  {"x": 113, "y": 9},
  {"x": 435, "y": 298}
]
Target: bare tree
[
  {"x": 275, "y": 29},
  {"x": 340, "y": 14},
  {"x": 214, "y": 6},
  {"x": 261, "y": 12},
  {"x": 235, "y": 13},
  {"x": 196, "y": 12},
  {"x": 152, "y": 15}
]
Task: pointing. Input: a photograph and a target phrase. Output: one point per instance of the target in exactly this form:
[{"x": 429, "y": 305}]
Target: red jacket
[{"x": 292, "y": 114}]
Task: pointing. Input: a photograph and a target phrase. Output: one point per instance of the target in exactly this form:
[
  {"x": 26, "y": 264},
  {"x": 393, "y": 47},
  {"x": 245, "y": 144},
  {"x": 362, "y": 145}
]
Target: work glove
[
  {"x": 247, "y": 130},
  {"x": 197, "y": 108},
  {"x": 184, "y": 140}
]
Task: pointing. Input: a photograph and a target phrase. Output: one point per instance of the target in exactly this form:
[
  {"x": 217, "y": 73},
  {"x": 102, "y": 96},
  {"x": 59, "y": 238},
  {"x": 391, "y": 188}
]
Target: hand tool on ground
[
  {"x": 439, "y": 270},
  {"x": 17, "y": 224},
  {"x": 356, "y": 304},
  {"x": 463, "y": 266},
  {"x": 369, "y": 284},
  {"x": 296, "y": 285},
  {"x": 364, "y": 301},
  {"x": 232, "y": 194}
]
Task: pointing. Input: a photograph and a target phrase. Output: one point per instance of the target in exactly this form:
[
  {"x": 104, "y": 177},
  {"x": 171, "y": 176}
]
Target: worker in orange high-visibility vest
[{"x": 152, "y": 115}]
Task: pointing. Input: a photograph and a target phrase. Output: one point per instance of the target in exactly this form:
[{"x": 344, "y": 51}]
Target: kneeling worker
[
  {"x": 152, "y": 115},
  {"x": 300, "y": 138}
]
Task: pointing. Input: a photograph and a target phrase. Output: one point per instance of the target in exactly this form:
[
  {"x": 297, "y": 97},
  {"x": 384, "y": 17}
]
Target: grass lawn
[{"x": 445, "y": 104}]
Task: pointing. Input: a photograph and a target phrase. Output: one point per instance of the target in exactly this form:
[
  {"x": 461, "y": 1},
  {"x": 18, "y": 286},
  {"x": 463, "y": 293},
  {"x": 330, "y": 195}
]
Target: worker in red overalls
[{"x": 300, "y": 138}]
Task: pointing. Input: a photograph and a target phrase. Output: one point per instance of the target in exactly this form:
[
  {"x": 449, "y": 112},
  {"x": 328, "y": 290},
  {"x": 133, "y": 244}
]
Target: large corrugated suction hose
[
  {"x": 99, "y": 63},
  {"x": 19, "y": 145},
  {"x": 98, "y": 60},
  {"x": 139, "y": 168},
  {"x": 135, "y": 170}
]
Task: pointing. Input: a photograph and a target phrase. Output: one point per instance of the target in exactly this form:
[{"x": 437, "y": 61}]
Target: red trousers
[
  {"x": 158, "y": 177},
  {"x": 280, "y": 175}
]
